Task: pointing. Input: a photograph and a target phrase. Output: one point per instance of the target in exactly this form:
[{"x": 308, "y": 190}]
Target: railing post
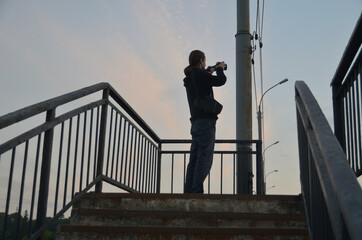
[
  {"x": 45, "y": 172},
  {"x": 260, "y": 184},
  {"x": 338, "y": 114},
  {"x": 102, "y": 137},
  {"x": 158, "y": 190}
]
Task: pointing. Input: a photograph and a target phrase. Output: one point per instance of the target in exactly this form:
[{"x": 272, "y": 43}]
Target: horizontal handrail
[
  {"x": 349, "y": 76},
  {"x": 181, "y": 141},
  {"x": 321, "y": 151},
  {"x": 37, "y": 108}
]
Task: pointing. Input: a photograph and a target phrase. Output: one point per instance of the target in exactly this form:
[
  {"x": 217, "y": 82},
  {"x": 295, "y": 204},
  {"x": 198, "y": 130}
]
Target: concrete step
[
  {"x": 110, "y": 217},
  {"x": 193, "y": 203},
  {"x": 81, "y": 232},
  {"x": 186, "y": 216}
]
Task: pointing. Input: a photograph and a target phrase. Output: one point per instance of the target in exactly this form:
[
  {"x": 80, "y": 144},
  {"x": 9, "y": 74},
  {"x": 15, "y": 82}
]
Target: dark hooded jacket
[{"x": 204, "y": 81}]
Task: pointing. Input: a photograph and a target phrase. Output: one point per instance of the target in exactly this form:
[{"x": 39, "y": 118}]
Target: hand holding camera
[{"x": 218, "y": 64}]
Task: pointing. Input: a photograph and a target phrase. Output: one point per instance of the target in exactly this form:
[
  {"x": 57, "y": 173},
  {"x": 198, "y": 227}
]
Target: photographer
[{"x": 204, "y": 109}]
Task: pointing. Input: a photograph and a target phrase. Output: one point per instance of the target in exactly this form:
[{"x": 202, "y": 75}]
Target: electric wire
[
  {"x": 261, "y": 27},
  {"x": 258, "y": 38},
  {"x": 261, "y": 62}
]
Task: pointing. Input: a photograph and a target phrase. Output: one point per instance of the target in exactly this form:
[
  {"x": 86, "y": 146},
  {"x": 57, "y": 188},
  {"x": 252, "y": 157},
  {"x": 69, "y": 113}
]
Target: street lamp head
[{"x": 283, "y": 81}]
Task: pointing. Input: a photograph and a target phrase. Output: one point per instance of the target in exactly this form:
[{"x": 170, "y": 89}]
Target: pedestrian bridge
[{"x": 93, "y": 136}]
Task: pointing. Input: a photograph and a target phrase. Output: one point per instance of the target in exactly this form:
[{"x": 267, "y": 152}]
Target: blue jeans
[{"x": 201, "y": 154}]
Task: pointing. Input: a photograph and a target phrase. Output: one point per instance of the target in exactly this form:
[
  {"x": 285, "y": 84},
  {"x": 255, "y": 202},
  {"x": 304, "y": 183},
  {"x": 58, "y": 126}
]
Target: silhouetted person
[{"x": 199, "y": 83}]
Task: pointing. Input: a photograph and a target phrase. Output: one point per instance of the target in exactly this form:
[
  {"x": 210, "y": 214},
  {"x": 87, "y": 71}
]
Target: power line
[{"x": 257, "y": 38}]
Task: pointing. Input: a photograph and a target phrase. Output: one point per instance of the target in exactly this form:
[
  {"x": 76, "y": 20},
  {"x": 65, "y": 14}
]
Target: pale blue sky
[{"x": 48, "y": 48}]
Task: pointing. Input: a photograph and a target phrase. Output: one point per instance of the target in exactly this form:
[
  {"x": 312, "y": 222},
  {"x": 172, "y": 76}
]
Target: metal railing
[
  {"x": 347, "y": 100},
  {"x": 332, "y": 195},
  {"x": 224, "y": 160},
  {"x": 47, "y": 168},
  {"x": 96, "y": 137}
]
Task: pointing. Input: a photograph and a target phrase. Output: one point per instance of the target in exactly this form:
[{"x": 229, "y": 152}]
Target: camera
[{"x": 213, "y": 68}]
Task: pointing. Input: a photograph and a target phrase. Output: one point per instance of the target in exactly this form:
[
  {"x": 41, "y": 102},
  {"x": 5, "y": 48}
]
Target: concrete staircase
[{"x": 183, "y": 216}]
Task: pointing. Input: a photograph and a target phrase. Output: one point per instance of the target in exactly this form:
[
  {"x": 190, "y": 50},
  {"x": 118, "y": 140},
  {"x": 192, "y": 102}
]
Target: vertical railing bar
[
  {"x": 130, "y": 157},
  {"x": 83, "y": 148},
  {"x": 347, "y": 127},
  {"x": 102, "y": 139},
  {"x": 222, "y": 155},
  {"x": 358, "y": 138},
  {"x": 126, "y": 157},
  {"x": 359, "y": 100},
  {"x": 146, "y": 167},
  {"x": 351, "y": 126},
  {"x": 34, "y": 185},
  {"x": 355, "y": 154},
  {"x": 138, "y": 185},
  {"x": 143, "y": 188},
  {"x": 158, "y": 173},
  {"x": 134, "y": 158},
  {"x": 114, "y": 144},
  {"x": 149, "y": 167},
  {"x": 310, "y": 192},
  {"x": 59, "y": 168},
  {"x": 138, "y": 161},
  {"x": 153, "y": 170},
  {"x": 144, "y": 164},
  {"x": 359, "y": 117},
  {"x": 22, "y": 188},
  {"x": 234, "y": 173},
  {"x": 119, "y": 144},
  {"x": 96, "y": 145},
  {"x": 75, "y": 155},
  {"x": 109, "y": 140},
  {"x": 184, "y": 175},
  {"x": 208, "y": 183},
  {"x": 139, "y": 166},
  {"x": 45, "y": 172},
  {"x": 123, "y": 148},
  {"x": 67, "y": 164},
  {"x": 142, "y": 169},
  {"x": 172, "y": 164},
  {"x": 9, "y": 193},
  {"x": 90, "y": 145},
  {"x": 155, "y": 154}
]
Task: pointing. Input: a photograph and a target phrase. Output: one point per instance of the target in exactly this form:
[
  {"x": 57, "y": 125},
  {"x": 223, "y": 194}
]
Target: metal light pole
[
  {"x": 259, "y": 116},
  {"x": 243, "y": 98}
]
